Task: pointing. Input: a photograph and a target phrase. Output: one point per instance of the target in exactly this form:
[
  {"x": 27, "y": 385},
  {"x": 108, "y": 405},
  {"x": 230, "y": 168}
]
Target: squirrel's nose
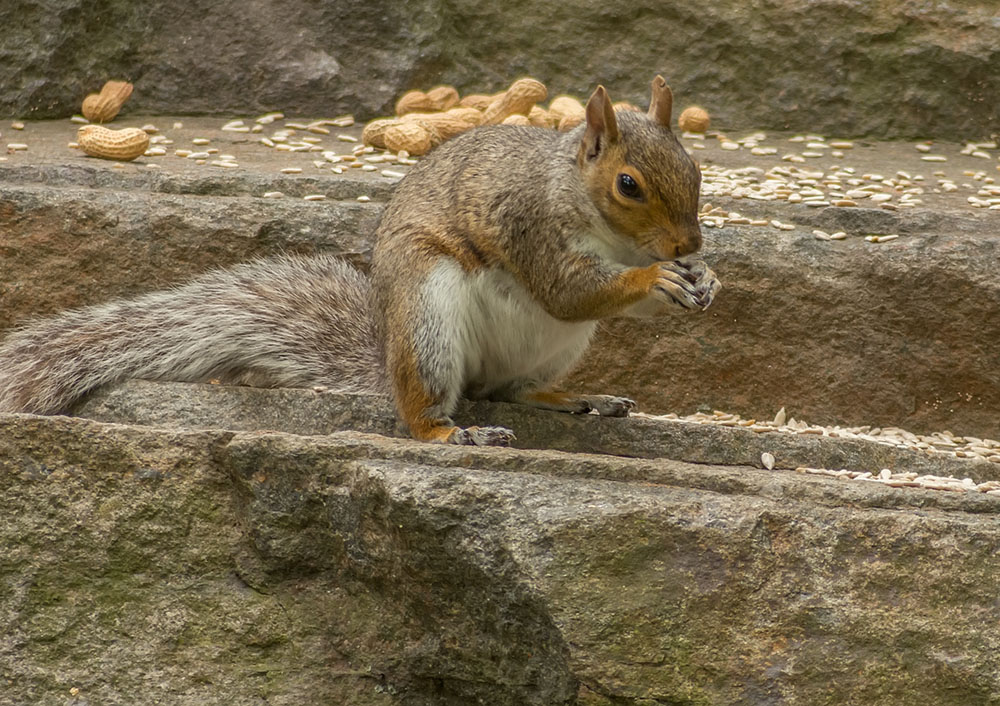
[{"x": 690, "y": 243}]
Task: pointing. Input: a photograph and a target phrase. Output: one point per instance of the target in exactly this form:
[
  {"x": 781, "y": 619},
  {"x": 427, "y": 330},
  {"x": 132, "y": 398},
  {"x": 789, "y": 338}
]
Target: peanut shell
[
  {"x": 104, "y": 106},
  {"x": 124, "y": 145},
  {"x": 409, "y": 136},
  {"x": 478, "y": 101},
  {"x": 440, "y": 126},
  {"x": 569, "y": 122},
  {"x": 516, "y": 119},
  {"x": 439, "y": 98},
  {"x": 563, "y": 106},
  {"x": 539, "y": 117},
  {"x": 693, "y": 119},
  {"x": 518, "y": 99},
  {"x": 412, "y": 102},
  {"x": 374, "y": 132},
  {"x": 443, "y": 126},
  {"x": 443, "y": 97},
  {"x": 469, "y": 115}
]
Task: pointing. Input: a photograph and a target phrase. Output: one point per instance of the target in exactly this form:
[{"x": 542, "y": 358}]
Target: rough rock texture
[
  {"x": 306, "y": 412},
  {"x": 156, "y": 565},
  {"x": 890, "y": 68},
  {"x": 75, "y": 246}
]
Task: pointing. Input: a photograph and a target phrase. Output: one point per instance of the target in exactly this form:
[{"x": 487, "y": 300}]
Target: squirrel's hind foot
[
  {"x": 611, "y": 406},
  {"x": 481, "y": 436},
  {"x": 604, "y": 405}
]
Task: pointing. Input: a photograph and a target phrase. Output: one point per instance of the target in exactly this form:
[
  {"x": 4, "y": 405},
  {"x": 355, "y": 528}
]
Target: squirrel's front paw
[
  {"x": 707, "y": 285},
  {"x": 677, "y": 284}
]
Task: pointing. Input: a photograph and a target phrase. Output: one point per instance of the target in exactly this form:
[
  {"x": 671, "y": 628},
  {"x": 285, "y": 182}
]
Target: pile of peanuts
[
  {"x": 422, "y": 121},
  {"x": 425, "y": 120}
]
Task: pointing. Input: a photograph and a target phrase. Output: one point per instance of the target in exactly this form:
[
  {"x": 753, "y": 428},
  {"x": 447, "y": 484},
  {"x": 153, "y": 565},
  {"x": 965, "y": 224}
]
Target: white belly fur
[{"x": 504, "y": 336}]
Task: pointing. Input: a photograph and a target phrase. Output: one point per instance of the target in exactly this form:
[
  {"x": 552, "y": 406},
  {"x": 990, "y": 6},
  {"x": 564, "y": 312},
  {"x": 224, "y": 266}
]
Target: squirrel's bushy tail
[{"x": 282, "y": 322}]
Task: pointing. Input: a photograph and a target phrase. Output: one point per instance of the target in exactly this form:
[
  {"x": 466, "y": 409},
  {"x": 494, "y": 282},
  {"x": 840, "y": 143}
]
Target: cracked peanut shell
[{"x": 104, "y": 106}]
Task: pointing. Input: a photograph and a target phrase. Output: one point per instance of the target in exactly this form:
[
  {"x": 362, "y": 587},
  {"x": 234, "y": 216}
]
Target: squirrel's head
[{"x": 640, "y": 177}]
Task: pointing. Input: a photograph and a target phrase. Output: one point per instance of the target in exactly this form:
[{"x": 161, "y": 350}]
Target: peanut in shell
[
  {"x": 409, "y": 136},
  {"x": 478, "y": 101},
  {"x": 693, "y": 119},
  {"x": 516, "y": 119},
  {"x": 567, "y": 112},
  {"x": 374, "y": 132},
  {"x": 104, "y": 106},
  {"x": 438, "y": 98},
  {"x": 522, "y": 95},
  {"x": 123, "y": 145}
]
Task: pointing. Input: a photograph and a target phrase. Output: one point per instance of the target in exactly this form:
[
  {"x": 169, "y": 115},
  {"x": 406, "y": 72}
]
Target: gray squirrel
[{"x": 494, "y": 259}]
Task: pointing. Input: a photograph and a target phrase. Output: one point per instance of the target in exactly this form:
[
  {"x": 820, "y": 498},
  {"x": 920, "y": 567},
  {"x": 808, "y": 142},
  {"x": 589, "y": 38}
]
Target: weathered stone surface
[
  {"x": 74, "y": 246},
  {"x": 206, "y": 567},
  {"x": 227, "y": 565},
  {"x": 310, "y": 413},
  {"x": 892, "y": 68}
]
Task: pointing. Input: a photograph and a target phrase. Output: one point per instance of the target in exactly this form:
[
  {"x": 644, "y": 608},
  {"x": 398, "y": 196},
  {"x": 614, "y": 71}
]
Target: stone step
[
  {"x": 70, "y": 245},
  {"x": 215, "y": 566},
  {"x": 306, "y": 412},
  {"x": 92, "y": 174}
]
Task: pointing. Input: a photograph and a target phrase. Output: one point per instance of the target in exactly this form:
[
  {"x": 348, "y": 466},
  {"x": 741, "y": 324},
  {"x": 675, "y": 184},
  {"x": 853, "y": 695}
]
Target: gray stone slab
[
  {"x": 306, "y": 412},
  {"x": 213, "y": 567},
  {"x": 893, "y": 68}
]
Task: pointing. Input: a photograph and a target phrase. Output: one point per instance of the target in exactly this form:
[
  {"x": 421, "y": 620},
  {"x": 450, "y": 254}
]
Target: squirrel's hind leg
[
  {"x": 425, "y": 362},
  {"x": 427, "y": 419}
]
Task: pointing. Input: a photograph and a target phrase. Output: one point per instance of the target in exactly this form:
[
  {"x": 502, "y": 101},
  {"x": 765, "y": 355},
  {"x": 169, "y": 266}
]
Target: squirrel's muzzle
[{"x": 684, "y": 241}]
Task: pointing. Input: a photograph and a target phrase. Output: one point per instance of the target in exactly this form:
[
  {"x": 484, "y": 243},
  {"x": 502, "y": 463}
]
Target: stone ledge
[
  {"x": 70, "y": 246},
  {"x": 188, "y": 406},
  {"x": 74, "y": 173},
  {"x": 213, "y": 567},
  {"x": 837, "y": 332}
]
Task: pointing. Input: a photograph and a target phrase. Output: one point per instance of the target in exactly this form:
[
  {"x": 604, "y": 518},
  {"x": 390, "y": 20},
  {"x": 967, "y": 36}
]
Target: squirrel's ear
[
  {"x": 602, "y": 128},
  {"x": 662, "y": 102}
]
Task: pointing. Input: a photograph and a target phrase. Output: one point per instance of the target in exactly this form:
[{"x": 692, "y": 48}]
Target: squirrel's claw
[
  {"x": 675, "y": 283},
  {"x": 707, "y": 285},
  {"x": 611, "y": 406},
  {"x": 482, "y": 436}
]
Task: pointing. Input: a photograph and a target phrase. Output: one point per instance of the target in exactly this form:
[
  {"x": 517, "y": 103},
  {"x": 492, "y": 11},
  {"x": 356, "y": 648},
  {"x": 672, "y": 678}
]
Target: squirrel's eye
[{"x": 628, "y": 187}]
